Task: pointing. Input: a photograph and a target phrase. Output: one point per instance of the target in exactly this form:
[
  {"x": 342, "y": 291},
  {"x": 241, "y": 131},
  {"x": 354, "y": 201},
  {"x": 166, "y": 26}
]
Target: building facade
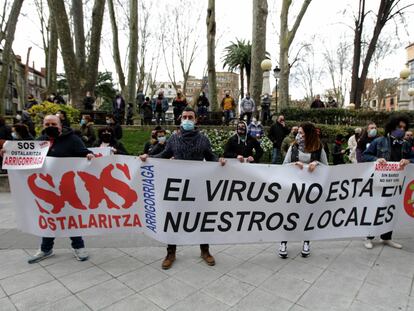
[
  {"x": 18, "y": 87},
  {"x": 410, "y": 63}
]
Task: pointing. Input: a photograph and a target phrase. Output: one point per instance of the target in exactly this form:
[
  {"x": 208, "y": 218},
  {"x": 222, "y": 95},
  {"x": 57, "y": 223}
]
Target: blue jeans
[
  {"x": 228, "y": 116},
  {"x": 47, "y": 243},
  {"x": 276, "y": 156}
]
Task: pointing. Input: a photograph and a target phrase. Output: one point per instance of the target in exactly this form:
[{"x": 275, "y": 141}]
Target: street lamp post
[{"x": 276, "y": 74}]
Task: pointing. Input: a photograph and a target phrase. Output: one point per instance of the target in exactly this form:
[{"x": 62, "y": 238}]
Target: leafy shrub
[
  {"x": 340, "y": 116},
  {"x": 39, "y": 111}
]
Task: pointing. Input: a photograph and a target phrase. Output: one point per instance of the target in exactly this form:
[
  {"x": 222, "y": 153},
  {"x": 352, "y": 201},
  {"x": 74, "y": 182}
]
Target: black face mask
[
  {"x": 52, "y": 131},
  {"x": 106, "y": 138}
]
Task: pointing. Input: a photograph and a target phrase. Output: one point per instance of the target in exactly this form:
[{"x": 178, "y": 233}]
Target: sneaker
[
  {"x": 305, "y": 249},
  {"x": 40, "y": 255},
  {"x": 391, "y": 243},
  {"x": 80, "y": 253},
  {"x": 368, "y": 244},
  {"x": 283, "y": 250}
]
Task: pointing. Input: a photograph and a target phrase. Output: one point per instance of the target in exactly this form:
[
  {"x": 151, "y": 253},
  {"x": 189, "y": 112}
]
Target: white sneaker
[
  {"x": 81, "y": 254},
  {"x": 39, "y": 256},
  {"x": 305, "y": 249},
  {"x": 283, "y": 251},
  {"x": 368, "y": 244},
  {"x": 393, "y": 244}
]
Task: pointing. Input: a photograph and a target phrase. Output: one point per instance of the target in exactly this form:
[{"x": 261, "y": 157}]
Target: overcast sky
[{"x": 324, "y": 24}]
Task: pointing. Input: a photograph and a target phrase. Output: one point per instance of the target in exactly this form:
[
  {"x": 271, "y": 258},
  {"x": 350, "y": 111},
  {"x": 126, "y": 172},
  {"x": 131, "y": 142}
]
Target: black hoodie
[{"x": 65, "y": 145}]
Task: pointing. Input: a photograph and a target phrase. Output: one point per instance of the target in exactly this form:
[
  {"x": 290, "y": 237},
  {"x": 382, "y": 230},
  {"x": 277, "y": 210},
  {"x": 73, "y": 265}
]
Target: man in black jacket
[
  {"x": 187, "y": 144},
  {"x": 241, "y": 146},
  {"x": 277, "y": 132},
  {"x": 63, "y": 144}
]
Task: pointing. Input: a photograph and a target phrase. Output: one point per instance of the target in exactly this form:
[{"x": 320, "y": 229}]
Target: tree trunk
[
  {"x": 285, "y": 40},
  {"x": 241, "y": 82},
  {"x": 133, "y": 52},
  {"x": 79, "y": 36},
  {"x": 115, "y": 45},
  {"x": 356, "y": 60},
  {"x": 383, "y": 16},
  {"x": 52, "y": 57},
  {"x": 211, "y": 54},
  {"x": 260, "y": 11},
  {"x": 58, "y": 10},
  {"x": 95, "y": 45},
  {"x": 7, "y": 51}
]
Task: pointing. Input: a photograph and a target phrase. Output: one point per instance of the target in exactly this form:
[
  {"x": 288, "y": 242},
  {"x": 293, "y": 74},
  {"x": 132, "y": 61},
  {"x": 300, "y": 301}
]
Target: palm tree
[{"x": 238, "y": 57}]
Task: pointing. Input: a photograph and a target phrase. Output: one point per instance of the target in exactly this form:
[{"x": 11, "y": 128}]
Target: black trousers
[
  {"x": 172, "y": 247},
  {"x": 47, "y": 243},
  {"x": 386, "y": 236}
]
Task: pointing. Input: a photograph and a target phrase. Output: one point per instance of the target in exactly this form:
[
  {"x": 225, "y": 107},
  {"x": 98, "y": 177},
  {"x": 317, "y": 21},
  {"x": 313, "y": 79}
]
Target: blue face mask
[
  {"x": 398, "y": 133},
  {"x": 83, "y": 122},
  {"x": 187, "y": 125}
]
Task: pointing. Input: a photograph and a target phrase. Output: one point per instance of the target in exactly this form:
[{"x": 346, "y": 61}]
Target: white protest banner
[
  {"x": 101, "y": 151},
  {"x": 387, "y": 174},
  {"x": 24, "y": 155},
  {"x": 190, "y": 202}
]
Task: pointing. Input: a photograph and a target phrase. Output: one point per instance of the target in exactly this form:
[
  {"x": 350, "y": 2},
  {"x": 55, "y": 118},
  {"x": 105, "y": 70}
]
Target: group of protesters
[{"x": 301, "y": 145}]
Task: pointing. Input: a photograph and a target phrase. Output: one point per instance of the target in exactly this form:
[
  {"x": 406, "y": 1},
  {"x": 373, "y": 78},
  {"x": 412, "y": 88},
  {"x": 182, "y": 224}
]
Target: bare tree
[
  {"x": 260, "y": 11},
  {"x": 50, "y": 44},
  {"x": 8, "y": 55},
  {"x": 115, "y": 46},
  {"x": 337, "y": 62},
  {"x": 309, "y": 72},
  {"x": 133, "y": 51},
  {"x": 180, "y": 37},
  {"x": 211, "y": 54},
  {"x": 144, "y": 40},
  {"x": 285, "y": 41},
  {"x": 387, "y": 10},
  {"x": 79, "y": 80}
]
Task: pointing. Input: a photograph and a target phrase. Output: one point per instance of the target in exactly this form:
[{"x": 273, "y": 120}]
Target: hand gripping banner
[{"x": 189, "y": 202}]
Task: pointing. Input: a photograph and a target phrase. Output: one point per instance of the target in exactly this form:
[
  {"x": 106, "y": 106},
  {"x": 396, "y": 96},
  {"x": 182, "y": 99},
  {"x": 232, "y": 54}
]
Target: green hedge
[{"x": 340, "y": 116}]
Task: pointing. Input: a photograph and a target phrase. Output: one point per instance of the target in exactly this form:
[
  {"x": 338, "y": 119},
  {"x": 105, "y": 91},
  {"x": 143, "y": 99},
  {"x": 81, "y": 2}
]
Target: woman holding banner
[
  {"x": 306, "y": 149},
  {"x": 391, "y": 147}
]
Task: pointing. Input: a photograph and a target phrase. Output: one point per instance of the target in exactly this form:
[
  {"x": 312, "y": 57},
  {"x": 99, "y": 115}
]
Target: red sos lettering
[{"x": 95, "y": 186}]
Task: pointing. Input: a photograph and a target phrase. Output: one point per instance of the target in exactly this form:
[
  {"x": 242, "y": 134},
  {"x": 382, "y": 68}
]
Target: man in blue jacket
[
  {"x": 391, "y": 147},
  {"x": 63, "y": 144}
]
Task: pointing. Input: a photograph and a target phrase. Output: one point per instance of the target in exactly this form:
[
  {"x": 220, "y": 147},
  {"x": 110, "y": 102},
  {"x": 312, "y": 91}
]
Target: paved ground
[{"x": 124, "y": 273}]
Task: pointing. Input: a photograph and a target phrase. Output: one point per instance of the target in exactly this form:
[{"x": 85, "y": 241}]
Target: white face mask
[
  {"x": 14, "y": 135},
  {"x": 18, "y": 117},
  {"x": 162, "y": 139}
]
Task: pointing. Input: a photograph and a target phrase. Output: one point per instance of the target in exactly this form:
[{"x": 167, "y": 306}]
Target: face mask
[
  {"x": 83, "y": 122},
  {"x": 106, "y": 138},
  {"x": 18, "y": 117},
  {"x": 108, "y": 122},
  {"x": 299, "y": 138},
  {"x": 254, "y": 120},
  {"x": 14, "y": 135},
  {"x": 398, "y": 133},
  {"x": 52, "y": 131},
  {"x": 201, "y": 94},
  {"x": 187, "y": 125},
  {"x": 372, "y": 133},
  {"x": 162, "y": 139},
  {"x": 241, "y": 131}
]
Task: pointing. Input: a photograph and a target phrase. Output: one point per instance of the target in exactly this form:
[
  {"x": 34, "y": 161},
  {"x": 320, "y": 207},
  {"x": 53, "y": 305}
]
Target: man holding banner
[
  {"x": 63, "y": 143},
  {"x": 188, "y": 144},
  {"x": 392, "y": 147}
]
